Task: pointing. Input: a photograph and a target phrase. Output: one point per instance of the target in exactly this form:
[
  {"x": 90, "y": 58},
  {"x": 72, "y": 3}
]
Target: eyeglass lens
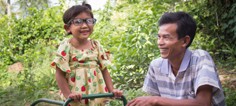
[{"x": 89, "y": 21}]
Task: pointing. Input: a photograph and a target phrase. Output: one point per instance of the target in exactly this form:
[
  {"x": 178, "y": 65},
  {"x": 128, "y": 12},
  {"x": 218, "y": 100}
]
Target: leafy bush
[
  {"x": 30, "y": 41},
  {"x": 216, "y": 23},
  {"x": 21, "y": 37},
  {"x": 30, "y": 84},
  {"x": 130, "y": 34},
  {"x": 230, "y": 96}
]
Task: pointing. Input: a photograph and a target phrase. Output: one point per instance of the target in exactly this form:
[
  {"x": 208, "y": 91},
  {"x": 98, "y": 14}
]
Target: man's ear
[
  {"x": 186, "y": 40},
  {"x": 67, "y": 28}
]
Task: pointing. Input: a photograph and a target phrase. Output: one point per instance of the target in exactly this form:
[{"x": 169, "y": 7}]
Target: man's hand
[{"x": 143, "y": 101}]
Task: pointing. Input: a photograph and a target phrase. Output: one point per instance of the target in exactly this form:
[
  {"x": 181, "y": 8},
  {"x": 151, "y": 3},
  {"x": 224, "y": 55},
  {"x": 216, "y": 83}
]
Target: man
[{"x": 180, "y": 77}]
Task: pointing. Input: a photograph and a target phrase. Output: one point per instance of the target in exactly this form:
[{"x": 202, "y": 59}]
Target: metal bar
[
  {"x": 90, "y": 96},
  {"x": 47, "y": 101},
  {"x": 93, "y": 96}
]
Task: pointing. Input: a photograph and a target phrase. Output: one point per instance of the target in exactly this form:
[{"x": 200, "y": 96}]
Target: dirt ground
[{"x": 228, "y": 78}]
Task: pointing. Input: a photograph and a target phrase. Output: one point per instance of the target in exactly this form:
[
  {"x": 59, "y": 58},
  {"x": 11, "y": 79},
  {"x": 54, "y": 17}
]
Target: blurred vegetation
[{"x": 128, "y": 29}]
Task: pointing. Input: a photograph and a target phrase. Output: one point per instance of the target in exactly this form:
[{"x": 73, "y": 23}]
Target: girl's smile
[{"x": 82, "y": 26}]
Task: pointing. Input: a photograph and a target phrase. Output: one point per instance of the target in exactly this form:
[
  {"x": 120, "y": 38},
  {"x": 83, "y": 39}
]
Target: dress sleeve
[
  {"x": 62, "y": 57},
  {"x": 103, "y": 56}
]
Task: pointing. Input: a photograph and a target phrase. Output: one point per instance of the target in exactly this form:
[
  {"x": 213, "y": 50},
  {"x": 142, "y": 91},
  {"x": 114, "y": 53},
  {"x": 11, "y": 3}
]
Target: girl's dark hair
[
  {"x": 73, "y": 11},
  {"x": 185, "y": 24}
]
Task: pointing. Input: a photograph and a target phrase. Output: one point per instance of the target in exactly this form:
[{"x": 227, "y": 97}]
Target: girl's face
[{"x": 81, "y": 26}]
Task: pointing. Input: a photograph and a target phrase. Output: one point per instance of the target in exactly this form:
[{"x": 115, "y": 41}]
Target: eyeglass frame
[{"x": 83, "y": 21}]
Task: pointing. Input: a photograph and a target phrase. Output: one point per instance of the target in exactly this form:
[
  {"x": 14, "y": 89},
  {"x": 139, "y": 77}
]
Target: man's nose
[{"x": 160, "y": 41}]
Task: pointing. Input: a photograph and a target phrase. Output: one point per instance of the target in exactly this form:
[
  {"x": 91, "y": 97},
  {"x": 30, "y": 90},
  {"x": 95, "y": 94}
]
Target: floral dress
[{"x": 83, "y": 70}]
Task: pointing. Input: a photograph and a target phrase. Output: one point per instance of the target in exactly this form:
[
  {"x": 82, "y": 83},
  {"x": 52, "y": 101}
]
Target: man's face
[{"x": 170, "y": 46}]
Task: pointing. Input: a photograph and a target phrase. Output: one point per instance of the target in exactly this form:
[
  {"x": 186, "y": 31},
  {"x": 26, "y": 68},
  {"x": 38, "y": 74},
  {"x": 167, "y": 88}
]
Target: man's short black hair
[{"x": 185, "y": 24}]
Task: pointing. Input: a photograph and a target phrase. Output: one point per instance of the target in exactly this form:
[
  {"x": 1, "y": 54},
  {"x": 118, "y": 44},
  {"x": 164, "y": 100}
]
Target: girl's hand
[
  {"x": 117, "y": 93},
  {"x": 77, "y": 97}
]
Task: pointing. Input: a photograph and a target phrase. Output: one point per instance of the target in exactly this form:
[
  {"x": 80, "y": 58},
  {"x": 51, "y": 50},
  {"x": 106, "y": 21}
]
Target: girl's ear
[
  {"x": 186, "y": 40},
  {"x": 67, "y": 28}
]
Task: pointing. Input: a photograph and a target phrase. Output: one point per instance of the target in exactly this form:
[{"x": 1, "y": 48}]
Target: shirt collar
[{"x": 166, "y": 67}]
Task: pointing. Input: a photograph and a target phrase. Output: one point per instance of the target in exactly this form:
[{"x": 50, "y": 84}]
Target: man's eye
[{"x": 166, "y": 37}]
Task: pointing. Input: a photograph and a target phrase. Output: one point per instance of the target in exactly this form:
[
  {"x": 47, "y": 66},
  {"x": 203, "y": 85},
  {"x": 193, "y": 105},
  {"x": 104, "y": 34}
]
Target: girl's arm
[
  {"x": 107, "y": 78},
  {"x": 108, "y": 81},
  {"x": 62, "y": 82}
]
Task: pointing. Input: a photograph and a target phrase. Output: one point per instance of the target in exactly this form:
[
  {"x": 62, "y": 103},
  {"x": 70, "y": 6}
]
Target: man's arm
[{"x": 203, "y": 98}]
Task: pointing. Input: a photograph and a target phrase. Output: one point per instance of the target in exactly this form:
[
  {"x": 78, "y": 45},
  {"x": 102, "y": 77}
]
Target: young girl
[{"x": 81, "y": 63}]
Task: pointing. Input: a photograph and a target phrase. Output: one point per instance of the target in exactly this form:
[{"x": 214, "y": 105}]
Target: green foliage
[
  {"x": 21, "y": 37},
  {"x": 30, "y": 41},
  {"x": 228, "y": 32},
  {"x": 230, "y": 96},
  {"x": 30, "y": 84},
  {"x": 215, "y": 23},
  {"x": 206, "y": 36},
  {"x": 128, "y": 30},
  {"x": 130, "y": 34}
]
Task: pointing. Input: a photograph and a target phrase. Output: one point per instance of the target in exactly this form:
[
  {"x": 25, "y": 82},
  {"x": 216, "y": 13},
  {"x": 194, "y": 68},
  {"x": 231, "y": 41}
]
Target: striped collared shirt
[{"x": 196, "y": 69}]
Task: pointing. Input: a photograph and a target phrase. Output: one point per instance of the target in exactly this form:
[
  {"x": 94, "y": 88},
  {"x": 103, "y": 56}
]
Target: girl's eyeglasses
[{"x": 79, "y": 22}]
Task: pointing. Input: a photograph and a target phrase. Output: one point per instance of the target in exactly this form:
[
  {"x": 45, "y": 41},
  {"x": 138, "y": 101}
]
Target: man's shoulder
[
  {"x": 199, "y": 53},
  {"x": 201, "y": 57},
  {"x": 156, "y": 62}
]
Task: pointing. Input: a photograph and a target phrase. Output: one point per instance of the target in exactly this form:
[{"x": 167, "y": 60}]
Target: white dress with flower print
[{"x": 83, "y": 69}]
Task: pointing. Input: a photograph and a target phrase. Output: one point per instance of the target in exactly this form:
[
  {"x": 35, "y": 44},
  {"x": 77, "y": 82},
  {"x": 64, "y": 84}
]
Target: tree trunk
[{"x": 8, "y": 11}]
